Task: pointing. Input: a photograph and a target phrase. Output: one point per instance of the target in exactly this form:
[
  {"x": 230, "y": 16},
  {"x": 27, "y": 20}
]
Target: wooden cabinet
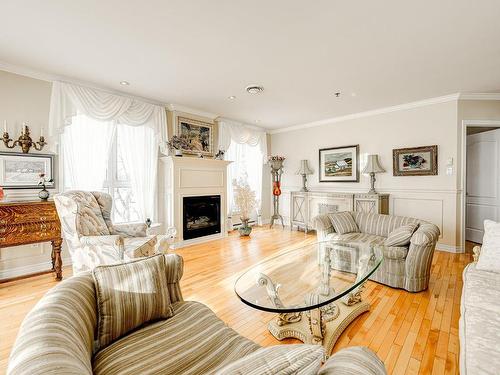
[
  {"x": 23, "y": 223},
  {"x": 304, "y": 206}
]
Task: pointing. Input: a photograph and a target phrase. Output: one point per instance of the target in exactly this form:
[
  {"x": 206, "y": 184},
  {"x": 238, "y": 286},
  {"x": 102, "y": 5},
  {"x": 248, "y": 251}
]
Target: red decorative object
[
  {"x": 1, "y": 193},
  {"x": 276, "y": 188}
]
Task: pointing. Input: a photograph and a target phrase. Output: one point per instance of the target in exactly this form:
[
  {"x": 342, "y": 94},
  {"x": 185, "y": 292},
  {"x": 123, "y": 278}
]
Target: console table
[
  {"x": 305, "y": 205},
  {"x": 27, "y": 222}
]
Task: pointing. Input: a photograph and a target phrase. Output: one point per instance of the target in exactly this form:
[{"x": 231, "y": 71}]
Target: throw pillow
[
  {"x": 281, "y": 359},
  {"x": 489, "y": 257},
  {"x": 129, "y": 295},
  {"x": 401, "y": 236},
  {"x": 343, "y": 222}
]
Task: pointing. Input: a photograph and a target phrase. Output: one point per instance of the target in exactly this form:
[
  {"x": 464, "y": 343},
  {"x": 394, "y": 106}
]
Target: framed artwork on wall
[
  {"x": 22, "y": 171},
  {"x": 197, "y": 134},
  {"x": 339, "y": 164},
  {"x": 415, "y": 161}
]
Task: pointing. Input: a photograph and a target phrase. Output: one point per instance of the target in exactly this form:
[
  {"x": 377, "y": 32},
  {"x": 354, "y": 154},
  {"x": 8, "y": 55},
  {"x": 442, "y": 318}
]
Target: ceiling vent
[{"x": 254, "y": 89}]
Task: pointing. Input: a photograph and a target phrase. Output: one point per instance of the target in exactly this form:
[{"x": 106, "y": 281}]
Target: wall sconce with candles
[
  {"x": 304, "y": 170},
  {"x": 372, "y": 167},
  {"x": 24, "y": 141}
]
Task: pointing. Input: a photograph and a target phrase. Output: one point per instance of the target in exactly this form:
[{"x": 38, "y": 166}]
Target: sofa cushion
[
  {"x": 343, "y": 222},
  {"x": 480, "y": 322},
  {"x": 282, "y": 359},
  {"x": 193, "y": 341},
  {"x": 489, "y": 258},
  {"x": 380, "y": 225},
  {"x": 401, "y": 236},
  {"x": 129, "y": 295}
]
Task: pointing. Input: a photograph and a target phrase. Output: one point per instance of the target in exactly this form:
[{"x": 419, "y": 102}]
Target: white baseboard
[
  {"x": 449, "y": 248},
  {"x": 29, "y": 269}
]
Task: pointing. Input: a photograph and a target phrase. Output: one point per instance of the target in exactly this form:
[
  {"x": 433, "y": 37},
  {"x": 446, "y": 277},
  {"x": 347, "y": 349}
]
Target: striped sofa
[
  {"x": 405, "y": 267},
  {"x": 57, "y": 337}
]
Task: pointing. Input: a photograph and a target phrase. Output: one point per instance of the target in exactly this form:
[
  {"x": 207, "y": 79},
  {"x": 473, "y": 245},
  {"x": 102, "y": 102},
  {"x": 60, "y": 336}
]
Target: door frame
[{"x": 466, "y": 124}]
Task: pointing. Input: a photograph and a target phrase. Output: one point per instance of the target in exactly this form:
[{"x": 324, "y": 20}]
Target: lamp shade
[
  {"x": 304, "y": 168},
  {"x": 373, "y": 165}
]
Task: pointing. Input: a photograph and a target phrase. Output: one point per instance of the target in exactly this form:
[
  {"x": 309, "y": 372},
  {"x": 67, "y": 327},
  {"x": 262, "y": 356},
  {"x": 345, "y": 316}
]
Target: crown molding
[
  {"x": 374, "y": 112},
  {"x": 480, "y": 96},
  {"x": 192, "y": 111}
]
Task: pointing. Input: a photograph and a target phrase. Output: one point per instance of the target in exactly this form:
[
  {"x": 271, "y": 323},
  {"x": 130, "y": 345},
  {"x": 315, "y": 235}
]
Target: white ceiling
[{"x": 197, "y": 53}]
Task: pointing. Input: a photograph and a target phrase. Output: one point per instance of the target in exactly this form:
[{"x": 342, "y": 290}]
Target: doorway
[{"x": 482, "y": 177}]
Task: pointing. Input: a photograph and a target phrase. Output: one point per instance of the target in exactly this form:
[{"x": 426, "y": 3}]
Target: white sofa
[{"x": 479, "y": 325}]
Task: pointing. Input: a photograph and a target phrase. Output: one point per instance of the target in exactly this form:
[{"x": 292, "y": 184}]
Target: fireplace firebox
[{"x": 201, "y": 216}]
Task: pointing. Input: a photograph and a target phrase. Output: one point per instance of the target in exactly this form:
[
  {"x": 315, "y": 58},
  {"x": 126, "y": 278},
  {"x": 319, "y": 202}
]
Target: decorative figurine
[{"x": 219, "y": 155}]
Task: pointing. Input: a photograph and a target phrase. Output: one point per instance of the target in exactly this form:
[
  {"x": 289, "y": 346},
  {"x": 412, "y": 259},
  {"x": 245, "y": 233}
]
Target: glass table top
[{"x": 308, "y": 277}]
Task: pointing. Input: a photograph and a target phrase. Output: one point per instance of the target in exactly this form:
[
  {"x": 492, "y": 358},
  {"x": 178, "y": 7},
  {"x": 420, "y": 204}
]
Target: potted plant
[
  {"x": 276, "y": 162},
  {"x": 43, "y": 194},
  {"x": 245, "y": 201}
]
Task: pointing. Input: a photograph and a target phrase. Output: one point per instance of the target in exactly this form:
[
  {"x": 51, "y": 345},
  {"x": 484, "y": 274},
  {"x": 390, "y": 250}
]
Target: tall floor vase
[{"x": 276, "y": 172}]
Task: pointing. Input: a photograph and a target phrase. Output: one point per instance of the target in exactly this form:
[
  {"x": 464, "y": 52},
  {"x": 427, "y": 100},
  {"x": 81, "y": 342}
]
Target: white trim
[
  {"x": 463, "y": 168},
  {"x": 27, "y": 270},
  {"x": 191, "y": 111},
  {"x": 380, "y": 190},
  {"x": 374, "y": 112},
  {"x": 480, "y": 96},
  {"x": 449, "y": 248}
]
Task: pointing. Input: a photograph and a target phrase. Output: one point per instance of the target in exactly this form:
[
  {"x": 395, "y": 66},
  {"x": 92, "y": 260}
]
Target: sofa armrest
[
  {"x": 476, "y": 250},
  {"x": 353, "y": 360},
  {"x": 426, "y": 234},
  {"x": 130, "y": 230},
  {"x": 175, "y": 268},
  {"x": 323, "y": 226}
]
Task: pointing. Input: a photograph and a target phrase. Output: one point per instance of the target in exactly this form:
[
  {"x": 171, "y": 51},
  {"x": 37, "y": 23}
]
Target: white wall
[
  {"x": 432, "y": 198},
  {"x": 25, "y": 99}
]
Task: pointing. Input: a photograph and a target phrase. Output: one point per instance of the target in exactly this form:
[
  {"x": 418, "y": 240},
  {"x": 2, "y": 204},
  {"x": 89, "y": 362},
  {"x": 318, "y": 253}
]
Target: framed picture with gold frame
[
  {"x": 415, "y": 161},
  {"x": 197, "y": 134}
]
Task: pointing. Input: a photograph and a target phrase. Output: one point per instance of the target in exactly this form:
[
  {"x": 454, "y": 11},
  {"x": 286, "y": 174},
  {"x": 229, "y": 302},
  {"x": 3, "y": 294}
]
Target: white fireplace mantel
[{"x": 188, "y": 176}]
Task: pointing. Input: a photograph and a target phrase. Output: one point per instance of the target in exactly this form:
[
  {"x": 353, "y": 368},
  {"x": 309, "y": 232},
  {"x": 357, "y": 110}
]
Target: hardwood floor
[{"x": 413, "y": 333}]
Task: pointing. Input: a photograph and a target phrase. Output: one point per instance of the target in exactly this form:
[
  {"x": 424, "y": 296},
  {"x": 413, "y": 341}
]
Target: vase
[
  {"x": 276, "y": 164},
  {"x": 245, "y": 229},
  {"x": 43, "y": 194},
  {"x": 178, "y": 152}
]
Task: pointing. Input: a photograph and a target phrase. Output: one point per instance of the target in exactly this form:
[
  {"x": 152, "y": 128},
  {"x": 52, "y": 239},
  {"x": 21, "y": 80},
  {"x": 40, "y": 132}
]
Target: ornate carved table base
[{"x": 321, "y": 326}]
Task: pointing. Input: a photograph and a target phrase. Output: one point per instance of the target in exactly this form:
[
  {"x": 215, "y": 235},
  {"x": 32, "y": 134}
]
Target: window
[
  {"x": 247, "y": 164},
  {"x": 93, "y": 151}
]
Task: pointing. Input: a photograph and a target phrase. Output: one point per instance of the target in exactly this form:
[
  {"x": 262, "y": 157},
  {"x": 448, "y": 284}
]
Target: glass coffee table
[{"x": 315, "y": 289}]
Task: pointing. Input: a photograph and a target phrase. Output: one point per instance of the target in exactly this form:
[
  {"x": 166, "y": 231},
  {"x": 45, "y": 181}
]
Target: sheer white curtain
[
  {"x": 85, "y": 155},
  {"x": 246, "y": 147},
  {"x": 141, "y": 162}
]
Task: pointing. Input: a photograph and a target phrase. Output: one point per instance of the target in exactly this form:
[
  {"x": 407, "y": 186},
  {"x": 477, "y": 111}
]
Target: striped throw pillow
[
  {"x": 401, "y": 236},
  {"x": 343, "y": 222},
  {"x": 280, "y": 359},
  {"x": 129, "y": 295}
]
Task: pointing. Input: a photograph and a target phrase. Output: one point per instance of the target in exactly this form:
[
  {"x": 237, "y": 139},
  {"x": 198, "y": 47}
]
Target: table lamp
[
  {"x": 373, "y": 166},
  {"x": 304, "y": 170}
]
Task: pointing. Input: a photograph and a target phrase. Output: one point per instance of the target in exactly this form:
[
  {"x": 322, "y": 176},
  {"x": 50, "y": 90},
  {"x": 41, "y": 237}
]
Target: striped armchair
[
  {"x": 57, "y": 337},
  {"x": 406, "y": 267}
]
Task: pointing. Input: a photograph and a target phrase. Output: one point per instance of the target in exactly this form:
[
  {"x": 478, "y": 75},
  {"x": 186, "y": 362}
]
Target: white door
[{"x": 483, "y": 187}]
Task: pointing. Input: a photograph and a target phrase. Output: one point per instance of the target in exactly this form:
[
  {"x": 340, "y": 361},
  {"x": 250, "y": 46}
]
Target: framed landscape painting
[
  {"x": 22, "y": 171},
  {"x": 197, "y": 134},
  {"x": 415, "y": 161},
  {"x": 339, "y": 164}
]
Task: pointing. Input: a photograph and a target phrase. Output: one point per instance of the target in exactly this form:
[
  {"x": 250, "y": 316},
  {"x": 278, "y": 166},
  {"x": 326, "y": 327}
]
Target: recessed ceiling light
[
  {"x": 124, "y": 83},
  {"x": 232, "y": 97},
  {"x": 254, "y": 89}
]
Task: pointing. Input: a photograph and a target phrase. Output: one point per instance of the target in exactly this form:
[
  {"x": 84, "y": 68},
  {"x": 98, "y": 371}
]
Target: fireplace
[{"x": 201, "y": 216}]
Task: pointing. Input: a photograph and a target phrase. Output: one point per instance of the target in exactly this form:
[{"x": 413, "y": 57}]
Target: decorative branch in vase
[{"x": 246, "y": 203}]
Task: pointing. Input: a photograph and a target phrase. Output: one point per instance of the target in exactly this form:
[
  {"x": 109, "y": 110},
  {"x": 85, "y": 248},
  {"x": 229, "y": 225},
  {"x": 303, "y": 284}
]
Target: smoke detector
[{"x": 254, "y": 89}]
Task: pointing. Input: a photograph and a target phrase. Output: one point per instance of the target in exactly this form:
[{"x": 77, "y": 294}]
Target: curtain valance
[
  {"x": 68, "y": 99},
  {"x": 243, "y": 134}
]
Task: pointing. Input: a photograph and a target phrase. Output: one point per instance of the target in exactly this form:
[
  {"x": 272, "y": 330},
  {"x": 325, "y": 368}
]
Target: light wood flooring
[{"x": 413, "y": 333}]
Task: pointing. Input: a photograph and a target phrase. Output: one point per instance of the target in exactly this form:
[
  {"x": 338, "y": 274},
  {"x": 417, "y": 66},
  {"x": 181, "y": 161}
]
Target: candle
[
  {"x": 25, "y": 128},
  {"x": 5, "y": 126},
  {"x": 41, "y": 131}
]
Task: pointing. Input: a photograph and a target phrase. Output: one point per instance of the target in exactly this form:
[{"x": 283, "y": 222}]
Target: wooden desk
[{"x": 27, "y": 222}]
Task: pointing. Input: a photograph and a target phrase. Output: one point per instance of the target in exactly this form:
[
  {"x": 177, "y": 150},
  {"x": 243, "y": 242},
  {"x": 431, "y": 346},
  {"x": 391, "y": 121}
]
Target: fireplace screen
[{"x": 201, "y": 216}]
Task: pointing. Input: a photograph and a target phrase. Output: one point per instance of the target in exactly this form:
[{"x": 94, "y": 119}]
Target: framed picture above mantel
[
  {"x": 22, "y": 171},
  {"x": 339, "y": 164},
  {"x": 198, "y": 135},
  {"x": 415, "y": 161}
]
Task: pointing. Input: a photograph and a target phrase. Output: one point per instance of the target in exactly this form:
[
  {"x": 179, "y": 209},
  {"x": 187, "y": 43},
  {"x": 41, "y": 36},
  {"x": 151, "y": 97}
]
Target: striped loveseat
[
  {"x": 406, "y": 267},
  {"x": 57, "y": 337}
]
